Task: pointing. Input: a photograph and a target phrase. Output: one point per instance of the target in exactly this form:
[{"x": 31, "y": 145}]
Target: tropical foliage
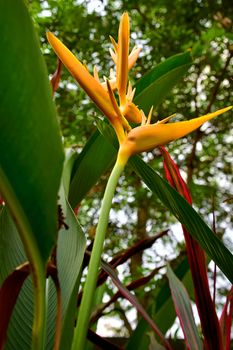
[{"x": 58, "y": 154}]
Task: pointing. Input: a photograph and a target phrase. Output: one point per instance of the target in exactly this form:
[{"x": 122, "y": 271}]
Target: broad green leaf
[
  {"x": 184, "y": 311},
  {"x": 187, "y": 216},
  {"x": 96, "y": 157},
  {"x": 30, "y": 143},
  {"x": 152, "y": 88}
]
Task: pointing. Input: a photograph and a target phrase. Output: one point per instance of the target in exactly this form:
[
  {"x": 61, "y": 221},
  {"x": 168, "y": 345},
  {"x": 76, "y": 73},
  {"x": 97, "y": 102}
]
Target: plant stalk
[{"x": 81, "y": 329}]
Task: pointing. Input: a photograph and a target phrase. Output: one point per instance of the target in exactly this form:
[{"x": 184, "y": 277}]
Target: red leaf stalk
[
  {"x": 55, "y": 79},
  {"x": 9, "y": 293},
  {"x": 197, "y": 262}
]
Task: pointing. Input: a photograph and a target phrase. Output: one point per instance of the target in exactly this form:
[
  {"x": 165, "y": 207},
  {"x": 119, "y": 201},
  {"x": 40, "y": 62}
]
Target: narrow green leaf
[
  {"x": 133, "y": 300},
  {"x": 187, "y": 216},
  {"x": 152, "y": 88},
  {"x": 161, "y": 306},
  {"x": 70, "y": 252},
  {"x": 71, "y": 157},
  {"x": 154, "y": 345},
  {"x": 184, "y": 311}
]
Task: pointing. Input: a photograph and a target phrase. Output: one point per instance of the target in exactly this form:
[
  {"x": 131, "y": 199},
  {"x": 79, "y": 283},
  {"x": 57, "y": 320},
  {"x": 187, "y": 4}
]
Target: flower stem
[{"x": 80, "y": 332}]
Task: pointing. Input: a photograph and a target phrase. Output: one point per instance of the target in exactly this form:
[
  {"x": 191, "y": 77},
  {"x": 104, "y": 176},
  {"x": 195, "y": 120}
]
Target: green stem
[
  {"x": 80, "y": 333},
  {"x": 38, "y": 329}
]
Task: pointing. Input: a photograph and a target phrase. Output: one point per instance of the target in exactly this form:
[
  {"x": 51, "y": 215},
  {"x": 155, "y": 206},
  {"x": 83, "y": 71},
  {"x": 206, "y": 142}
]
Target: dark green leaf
[
  {"x": 30, "y": 143},
  {"x": 152, "y": 88},
  {"x": 187, "y": 216}
]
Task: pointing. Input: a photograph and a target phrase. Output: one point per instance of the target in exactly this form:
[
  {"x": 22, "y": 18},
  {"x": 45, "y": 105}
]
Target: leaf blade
[
  {"x": 152, "y": 88},
  {"x": 184, "y": 310},
  {"x": 187, "y": 216},
  {"x": 26, "y": 104}
]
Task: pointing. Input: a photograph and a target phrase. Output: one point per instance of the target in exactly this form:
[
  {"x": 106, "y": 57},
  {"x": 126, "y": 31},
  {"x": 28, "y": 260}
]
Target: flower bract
[{"x": 120, "y": 111}]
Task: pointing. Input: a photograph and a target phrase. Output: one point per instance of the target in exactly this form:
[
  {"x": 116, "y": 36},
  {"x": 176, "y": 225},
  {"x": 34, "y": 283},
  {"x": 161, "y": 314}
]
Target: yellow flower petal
[
  {"x": 122, "y": 57},
  {"x": 89, "y": 84},
  {"x": 147, "y": 137},
  {"x": 132, "y": 113},
  {"x": 133, "y": 57}
]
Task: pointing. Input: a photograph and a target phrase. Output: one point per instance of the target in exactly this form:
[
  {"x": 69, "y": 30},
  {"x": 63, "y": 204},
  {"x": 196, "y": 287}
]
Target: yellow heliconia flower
[
  {"x": 147, "y": 137},
  {"x": 144, "y": 137},
  {"x": 89, "y": 84}
]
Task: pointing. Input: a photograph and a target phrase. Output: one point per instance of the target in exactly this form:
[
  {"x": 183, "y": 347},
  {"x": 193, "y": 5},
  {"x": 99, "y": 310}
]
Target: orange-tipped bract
[{"x": 144, "y": 137}]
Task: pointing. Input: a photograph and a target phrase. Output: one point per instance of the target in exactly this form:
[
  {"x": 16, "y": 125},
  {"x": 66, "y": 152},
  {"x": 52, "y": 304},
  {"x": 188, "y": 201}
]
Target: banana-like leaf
[
  {"x": 29, "y": 133},
  {"x": 98, "y": 154},
  {"x": 184, "y": 311},
  {"x": 29, "y": 139},
  {"x": 152, "y": 88}
]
